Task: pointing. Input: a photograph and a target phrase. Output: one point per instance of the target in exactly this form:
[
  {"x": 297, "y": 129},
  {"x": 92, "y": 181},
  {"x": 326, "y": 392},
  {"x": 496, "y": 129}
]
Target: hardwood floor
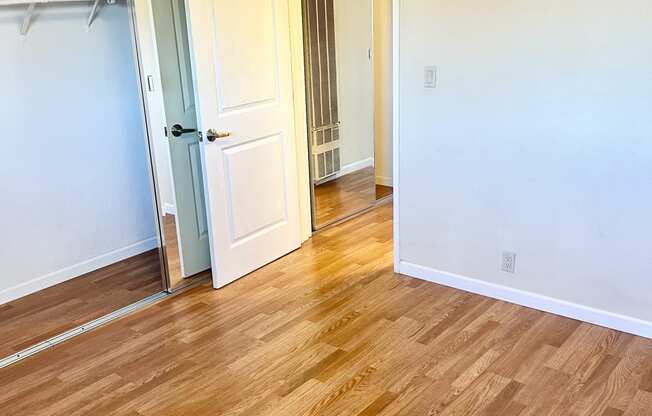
[
  {"x": 177, "y": 281},
  {"x": 172, "y": 248},
  {"x": 331, "y": 330},
  {"x": 383, "y": 191},
  {"x": 41, "y": 315},
  {"x": 345, "y": 196}
]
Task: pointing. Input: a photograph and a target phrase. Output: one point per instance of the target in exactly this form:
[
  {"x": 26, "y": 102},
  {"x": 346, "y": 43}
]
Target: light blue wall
[
  {"x": 538, "y": 140},
  {"x": 73, "y": 171}
]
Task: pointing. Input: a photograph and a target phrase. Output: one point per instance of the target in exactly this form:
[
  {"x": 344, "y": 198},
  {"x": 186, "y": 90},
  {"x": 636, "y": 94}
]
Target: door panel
[
  {"x": 241, "y": 52},
  {"x": 247, "y": 217},
  {"x": 178, "y": 93},
  {"x": 246, "y": 78}
]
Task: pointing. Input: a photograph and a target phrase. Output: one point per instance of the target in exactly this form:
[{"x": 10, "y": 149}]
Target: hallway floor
[{"x": 331, "y": 330}]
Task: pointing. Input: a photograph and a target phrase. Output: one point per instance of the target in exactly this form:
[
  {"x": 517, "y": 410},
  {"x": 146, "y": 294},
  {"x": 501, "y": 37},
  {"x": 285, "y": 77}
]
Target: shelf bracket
[
  {"x": 27, "y": 19},
  {"x": 91, "y": 17}
]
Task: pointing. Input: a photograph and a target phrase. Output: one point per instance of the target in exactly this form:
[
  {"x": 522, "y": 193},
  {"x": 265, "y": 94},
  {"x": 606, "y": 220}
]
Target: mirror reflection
[
  {"x": 339, "y": 61},
  {"x": 178, "y": 161},
  {"x": 78, "y": 234}
]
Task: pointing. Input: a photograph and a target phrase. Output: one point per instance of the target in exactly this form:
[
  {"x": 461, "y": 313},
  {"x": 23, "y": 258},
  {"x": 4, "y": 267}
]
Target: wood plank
[
  {"x": 44, "y": 314},
  {"x": 344, "y": 196},
  {"x": 330, "y": 329}
]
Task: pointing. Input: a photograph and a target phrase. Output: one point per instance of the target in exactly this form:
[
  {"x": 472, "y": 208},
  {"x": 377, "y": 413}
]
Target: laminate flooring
[{"x": 330, "y": 330}]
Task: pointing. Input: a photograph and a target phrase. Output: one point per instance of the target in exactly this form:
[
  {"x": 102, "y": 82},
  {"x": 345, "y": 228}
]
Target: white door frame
[
  {"x": 300, "y": 116},
  {"x": 396, "y": 99}
]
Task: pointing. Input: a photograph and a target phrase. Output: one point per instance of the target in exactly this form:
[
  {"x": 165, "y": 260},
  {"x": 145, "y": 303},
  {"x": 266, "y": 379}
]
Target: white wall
[
  {"x": 538, "y": 140},
  {"x": 383, "y": 90},
  {"x": 353, "y": 38},
  {"x": 73, "y": 171}
]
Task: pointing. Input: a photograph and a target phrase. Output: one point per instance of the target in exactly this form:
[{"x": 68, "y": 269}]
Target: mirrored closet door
[
  {"x": 177, "y": 158},
  {"x": 339, "y": 61},
  {"x": 79, "y": 227}
]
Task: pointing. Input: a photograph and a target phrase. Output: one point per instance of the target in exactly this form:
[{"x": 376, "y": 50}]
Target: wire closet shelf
[{"x": 31, "y": 7}]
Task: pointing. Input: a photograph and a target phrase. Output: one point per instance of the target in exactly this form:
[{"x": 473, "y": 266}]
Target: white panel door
[{"x": 241, "y": 52}]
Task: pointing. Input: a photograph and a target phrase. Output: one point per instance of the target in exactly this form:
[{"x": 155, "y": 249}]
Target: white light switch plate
[{"x": 430, "y": 77}]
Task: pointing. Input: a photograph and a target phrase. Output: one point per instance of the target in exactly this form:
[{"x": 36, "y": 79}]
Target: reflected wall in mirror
[
  {"x": 78, "y": 231},
  {"x": 178, "y": 160},
  {"x": 340, "y": 83}
]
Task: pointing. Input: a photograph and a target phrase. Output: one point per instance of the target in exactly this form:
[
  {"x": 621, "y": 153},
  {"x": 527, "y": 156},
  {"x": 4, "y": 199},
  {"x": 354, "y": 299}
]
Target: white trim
[
  {"x": 353, "y": 167},
  {"x": 384, "y": 180},
  {"x": 169, "y": 209},
  {"x": 76, "y": 270},
  {"x": 356, "y": 166},
  {"x": 396, "y": 99},
  {"x": 556, "y": 306},
  {"x": 350, "y": 168},
  {"x": 300, "y": 120}
]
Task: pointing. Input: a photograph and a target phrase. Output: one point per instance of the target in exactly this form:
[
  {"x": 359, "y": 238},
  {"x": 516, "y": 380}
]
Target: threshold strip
[{"x": 81, "y": 329}]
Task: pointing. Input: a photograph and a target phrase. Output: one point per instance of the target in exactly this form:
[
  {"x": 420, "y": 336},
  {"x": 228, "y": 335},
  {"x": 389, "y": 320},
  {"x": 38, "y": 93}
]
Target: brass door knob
[{"x": 213, "y": 135}]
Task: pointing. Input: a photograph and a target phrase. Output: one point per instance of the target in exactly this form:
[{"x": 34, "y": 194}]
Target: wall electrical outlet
[
  {"x": 509, "y": 262},
  {"x": 430, "y": 77}
]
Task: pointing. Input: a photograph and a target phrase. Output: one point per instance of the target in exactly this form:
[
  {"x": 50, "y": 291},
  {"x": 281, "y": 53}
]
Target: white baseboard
[
  {"x": 356, "y": 166},
  {"x": 556, "y": 306},
  {"x": 169, "y": 209},
  {"x": 350, "y": 168},
  {"x": 384, "y": 180},
  {"x": 76, "y": 270}
]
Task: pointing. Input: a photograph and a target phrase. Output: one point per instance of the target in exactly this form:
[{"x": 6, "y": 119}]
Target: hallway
[{"x": 330, "y": 330}]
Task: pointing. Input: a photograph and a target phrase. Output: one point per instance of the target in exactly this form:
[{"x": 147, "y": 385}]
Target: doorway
[{"x": 346, "y": 46}]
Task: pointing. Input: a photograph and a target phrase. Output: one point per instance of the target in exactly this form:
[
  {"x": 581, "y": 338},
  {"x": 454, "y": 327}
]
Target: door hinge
[{"x": 165, "y": 131}]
